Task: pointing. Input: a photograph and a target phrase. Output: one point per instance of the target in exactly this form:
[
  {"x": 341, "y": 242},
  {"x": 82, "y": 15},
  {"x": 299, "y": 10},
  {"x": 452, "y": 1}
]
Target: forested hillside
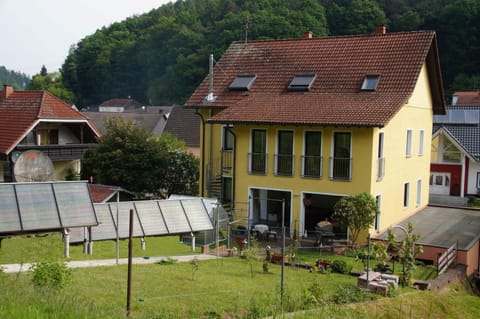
[
  {"x": 160, "y": 57},
  {"x": 19, "y": 81}
]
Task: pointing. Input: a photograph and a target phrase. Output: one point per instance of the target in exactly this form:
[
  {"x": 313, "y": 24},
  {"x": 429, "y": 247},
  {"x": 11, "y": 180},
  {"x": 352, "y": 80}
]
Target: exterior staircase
[{"x": 446, "y": 200}]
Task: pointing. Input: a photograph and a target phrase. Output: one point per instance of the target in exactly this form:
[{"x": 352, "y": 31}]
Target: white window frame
[
  {"x": 408, "y": 149},
  {"x": 304, "y": 151},
  {"x": 406, "y": 194},
  {"x": 278, "y": 150},
  {"x": 378, "y": 200},
  {"x": 421, "y": 142},
  {"x": 418, "y": 201},
  {"x": 381, "y": 158}
]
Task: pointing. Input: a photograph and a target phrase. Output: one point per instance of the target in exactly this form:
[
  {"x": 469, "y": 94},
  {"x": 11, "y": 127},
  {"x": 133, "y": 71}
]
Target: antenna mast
[{"x": 246, "y": 29}]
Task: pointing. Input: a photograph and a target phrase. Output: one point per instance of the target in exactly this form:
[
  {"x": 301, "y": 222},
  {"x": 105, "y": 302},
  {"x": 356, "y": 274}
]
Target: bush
[
  {"x": 341, "y": 267},
  {"x": 349, "y": 294},
  {"x": 51, "y": 274}
]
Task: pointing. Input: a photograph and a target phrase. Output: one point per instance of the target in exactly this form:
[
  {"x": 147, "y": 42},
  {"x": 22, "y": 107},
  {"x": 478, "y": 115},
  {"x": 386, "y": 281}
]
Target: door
[{"x": 440, "y": 183}]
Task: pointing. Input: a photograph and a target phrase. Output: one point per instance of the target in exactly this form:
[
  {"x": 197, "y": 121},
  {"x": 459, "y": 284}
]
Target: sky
[{"x": 40, "y": 32}]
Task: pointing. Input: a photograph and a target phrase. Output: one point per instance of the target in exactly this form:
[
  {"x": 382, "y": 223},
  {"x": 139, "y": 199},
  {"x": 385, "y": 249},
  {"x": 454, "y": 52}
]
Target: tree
[
  {"x": 406, "y": 250},
  {"x": 51, "y": 82},
  {"x": 130, "y": 157},
  {"x": 356, "y": 212}
]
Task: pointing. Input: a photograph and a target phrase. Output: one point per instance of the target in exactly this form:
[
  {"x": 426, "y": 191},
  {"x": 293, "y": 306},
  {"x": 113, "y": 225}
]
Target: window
[
  {"x": 406, "y": 191},
  {"x": 370, "y": 82},
  {"x": 312, "y": 159},
  {"x": 243, "y": 82},
  {"x": 47, "y": 136},
  {"x": 408, "y": 151},
  {"x": 227, "y": 189},
  {"x": 381, "y": 159},
  {"x": 378, "y": 199},
  {"x": 340, "y": 166},
  {"x": 284, "y": 158},
  {"x": 419, "y": 193},
  {"x": 450, "y": 153},
  {"x": 258, "y": 156},
  {"x": 302, "y": 82},
  {"x": 228, "y": 139},
  {"x": 421, "y": 142}
]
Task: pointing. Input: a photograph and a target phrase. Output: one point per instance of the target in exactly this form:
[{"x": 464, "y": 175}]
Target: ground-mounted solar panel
[
  {"x": 37, "y": 207},
  {"x": 174, "y": 216},
  {"x": 9, "y": 216},
  {"x": 124, "y": 219},
  {"x": 74, "y": 204},
  {"x": 151, "y": 218},
  {"x": 197, "y": 214},
  {"x": 106, "y": 228}
]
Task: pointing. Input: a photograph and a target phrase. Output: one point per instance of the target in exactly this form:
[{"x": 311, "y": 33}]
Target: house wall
[
  {"x": 400, "y": 169},
  {"x": 416, "y": 115},
  {"x": 61, "y": 168},
  {"x": 468, "y": 258},
  {"x": 473, "y": 178},
  {"x": 455, "y": 171}
]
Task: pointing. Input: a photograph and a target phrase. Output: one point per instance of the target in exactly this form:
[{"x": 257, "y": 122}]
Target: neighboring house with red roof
[
  {"x": 105, "y": 193},
  {"x": 182, "y": 123},
  {"x": 455, "y": 168},
  {"x": 39, "y": 121},
  {"x": 301, "y": 123}
]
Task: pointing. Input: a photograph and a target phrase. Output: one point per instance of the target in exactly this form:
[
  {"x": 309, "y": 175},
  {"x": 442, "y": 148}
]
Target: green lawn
[
  {"x": 31, "y": 249},
  {"x": 222, "y": 288}
]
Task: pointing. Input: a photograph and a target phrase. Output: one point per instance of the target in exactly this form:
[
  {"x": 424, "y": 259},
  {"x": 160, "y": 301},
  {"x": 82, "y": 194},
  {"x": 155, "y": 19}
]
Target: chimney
[
  {"x": 308, "y": 35},
  {"x": 7, "y": 90},
  {"x": 381, "y": 29}
]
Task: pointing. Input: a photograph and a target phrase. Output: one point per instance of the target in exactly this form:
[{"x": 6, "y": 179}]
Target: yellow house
[{"x": 291, "y": 126}]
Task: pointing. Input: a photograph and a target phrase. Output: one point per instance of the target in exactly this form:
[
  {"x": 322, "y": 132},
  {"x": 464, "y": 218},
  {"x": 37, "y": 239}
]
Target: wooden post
[{"x": 130, "y": 253}]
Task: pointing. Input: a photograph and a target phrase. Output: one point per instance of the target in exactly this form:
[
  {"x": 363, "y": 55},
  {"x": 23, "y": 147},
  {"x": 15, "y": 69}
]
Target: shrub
[
  {"x": 349, "y": 294},
  {"x": 341, "y": 267},
  {"x": 51, "y": 274}
]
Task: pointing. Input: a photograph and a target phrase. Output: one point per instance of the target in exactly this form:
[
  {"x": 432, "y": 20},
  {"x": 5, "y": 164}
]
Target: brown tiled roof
[
  {"x": 125, "y": 103},
  {"x": 21, "y": 110},
  {"x": 184, "y": 124},
  {"x": 340, "y": 65},
  {"x": 471, "y": 98}
]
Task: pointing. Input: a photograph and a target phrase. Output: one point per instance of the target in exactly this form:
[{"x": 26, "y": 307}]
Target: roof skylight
[
  {"x": 243, "y": 82},
  {"x": 370, "y": 82},
  {"x": 302, "y": 82}
]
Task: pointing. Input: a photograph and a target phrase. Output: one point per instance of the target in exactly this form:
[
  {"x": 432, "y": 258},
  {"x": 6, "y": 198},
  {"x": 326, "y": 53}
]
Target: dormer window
[
  {"x": 370, "y": 82},
  {"x": 243, "y": 82},
  {"x": 302, "y": 82}
]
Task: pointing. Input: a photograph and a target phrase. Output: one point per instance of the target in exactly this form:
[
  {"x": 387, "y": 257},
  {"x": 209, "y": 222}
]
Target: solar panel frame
[
  {"x": 124, "y": 219},
  {"x": 174, "y": 216},
  {"x": 151, "y": 218},
  {"x": 10, "y": 216},
  {"x": 37, "y": 206},
  {"x": 197, "y": 221},
  {"x": 74, "y": 196}
]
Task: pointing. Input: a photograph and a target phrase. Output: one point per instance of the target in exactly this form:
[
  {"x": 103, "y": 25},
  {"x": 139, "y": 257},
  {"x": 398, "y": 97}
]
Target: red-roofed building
[
  {"x": 39, "y": 121},
  {"x": 305, "y": 122}
]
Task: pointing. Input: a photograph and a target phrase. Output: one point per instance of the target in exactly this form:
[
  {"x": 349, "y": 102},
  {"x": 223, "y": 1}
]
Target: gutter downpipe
[
  {"x": 234, "y": 166},
  {"x": 202, "y": 176}
]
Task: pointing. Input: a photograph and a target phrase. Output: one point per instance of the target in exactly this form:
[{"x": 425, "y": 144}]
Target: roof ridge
[{"x": 341, "y": 36}]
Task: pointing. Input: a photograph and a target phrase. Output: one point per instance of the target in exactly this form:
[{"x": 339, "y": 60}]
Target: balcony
[
  {"x": 284, "y": 164},
  {"x": 59, "y": 152},
  {"x": 257, "y": 163},
  {"x": 312, "y": 166},
  {"x": 340, "y": 168}
]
